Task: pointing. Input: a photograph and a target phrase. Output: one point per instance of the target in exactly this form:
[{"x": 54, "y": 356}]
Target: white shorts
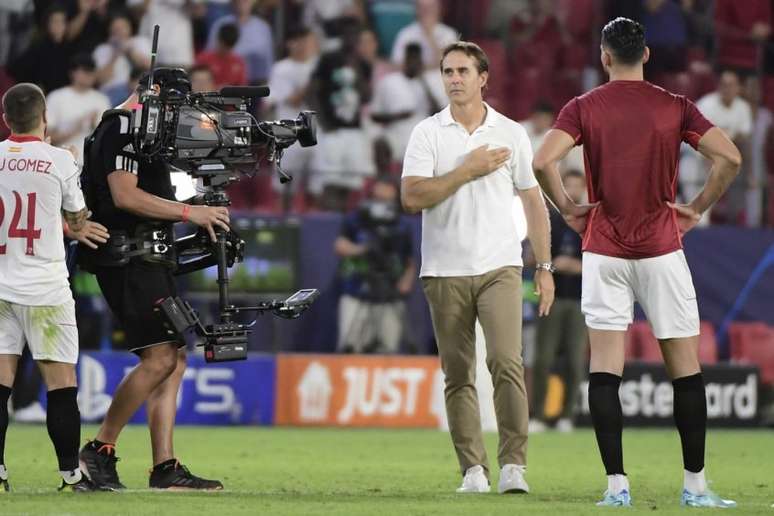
[
  {"x": 342, "y": 158},
  {"x": 661, "y": 285},
  {"x": 49, "y": 331}
]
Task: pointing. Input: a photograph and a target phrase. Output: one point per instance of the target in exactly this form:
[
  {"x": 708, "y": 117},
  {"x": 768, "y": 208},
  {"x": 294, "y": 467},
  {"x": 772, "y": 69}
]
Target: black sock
[
  {"x": 605, "y": 407},
  {"x": 5, "y": 393},
  {"x": 64, "y": 426},
  {"x": 165, "y": 464},
  {"x": 690, "y": 404}
]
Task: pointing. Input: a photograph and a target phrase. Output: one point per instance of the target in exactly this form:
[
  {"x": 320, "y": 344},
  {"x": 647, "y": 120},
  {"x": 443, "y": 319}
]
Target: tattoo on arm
[{"x": 76, "y": 219}]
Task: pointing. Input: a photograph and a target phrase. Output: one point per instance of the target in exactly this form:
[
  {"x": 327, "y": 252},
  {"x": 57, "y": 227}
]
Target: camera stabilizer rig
[
  {"x": 227, "y": 339},
  {"x": 208, "y": 136}
]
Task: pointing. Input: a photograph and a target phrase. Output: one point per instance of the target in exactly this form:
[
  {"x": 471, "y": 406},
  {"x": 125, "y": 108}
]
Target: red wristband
[{"x": 186, "y": 211}]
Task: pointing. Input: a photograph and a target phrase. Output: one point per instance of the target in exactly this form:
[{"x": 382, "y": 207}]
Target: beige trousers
[{"x": 495, "y": 299}]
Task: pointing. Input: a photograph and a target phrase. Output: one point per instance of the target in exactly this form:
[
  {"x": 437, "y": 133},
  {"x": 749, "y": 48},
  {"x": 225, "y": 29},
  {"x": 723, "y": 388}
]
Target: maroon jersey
[{"x": 631, "y": 133}]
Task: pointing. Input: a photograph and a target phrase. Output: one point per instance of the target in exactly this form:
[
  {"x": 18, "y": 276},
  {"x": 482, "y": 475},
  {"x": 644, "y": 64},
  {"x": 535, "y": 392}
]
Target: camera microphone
[{"x": 245, "y": 91}]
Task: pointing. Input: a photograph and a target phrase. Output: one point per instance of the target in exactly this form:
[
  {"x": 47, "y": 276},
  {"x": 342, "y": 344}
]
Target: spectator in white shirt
[
  {"x": 432, "y": 35},
  {"x": 726, "y": 109},
  {"x": 176, "y": 29},
  {"x": 405, "y": 98},
  {"x": 116, "y": 57},
  {"x": 73, "y": 112},
  {"x": 288, "y": 83}
]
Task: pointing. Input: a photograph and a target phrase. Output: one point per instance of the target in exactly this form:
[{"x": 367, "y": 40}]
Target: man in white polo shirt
[{"x": 462, "y": 167}]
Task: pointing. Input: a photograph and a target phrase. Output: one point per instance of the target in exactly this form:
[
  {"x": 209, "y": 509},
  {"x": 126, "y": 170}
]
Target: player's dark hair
[
  {"x": 470, "y": 49},
  {"x": 228, "y": 35},
  {"x": 625, "y": 39},
  {"x": 24, "y": 105}
]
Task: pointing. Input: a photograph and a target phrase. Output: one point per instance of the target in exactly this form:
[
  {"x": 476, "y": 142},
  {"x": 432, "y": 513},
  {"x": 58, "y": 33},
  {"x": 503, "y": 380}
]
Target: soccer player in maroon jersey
[{"x": 631, "y": 133}]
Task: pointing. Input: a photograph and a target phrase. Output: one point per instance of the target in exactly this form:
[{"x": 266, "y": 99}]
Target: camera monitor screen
[{"x": 271, "y": 262}]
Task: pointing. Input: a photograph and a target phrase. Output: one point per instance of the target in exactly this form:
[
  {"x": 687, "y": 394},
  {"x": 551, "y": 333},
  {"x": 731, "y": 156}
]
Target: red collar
[{"x": 24, "y": 138}]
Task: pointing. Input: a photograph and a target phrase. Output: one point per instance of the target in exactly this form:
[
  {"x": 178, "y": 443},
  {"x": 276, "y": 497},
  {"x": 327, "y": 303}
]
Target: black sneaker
[
  {"x": 4, "y": 486},
  {"x": 173, "y": 476},
  {"x": 99, "y": 464},
  {"x": 84, "y": 485}
]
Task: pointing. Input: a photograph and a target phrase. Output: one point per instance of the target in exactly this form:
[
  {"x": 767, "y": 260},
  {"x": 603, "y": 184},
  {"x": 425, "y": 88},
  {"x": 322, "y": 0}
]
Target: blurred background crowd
[{"x": 370, "y": 68}]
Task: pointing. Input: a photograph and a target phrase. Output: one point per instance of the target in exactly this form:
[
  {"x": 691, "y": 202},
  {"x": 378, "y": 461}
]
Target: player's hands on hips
[
  {"x": 481, "y": 161},
  {"x": 208, "y": 217},
  {"x": 544, "y": 289},
  {"x": 687, "y": 216},
  {"x": 577, "y": 216},
  {"x": 91, "y": 234}
]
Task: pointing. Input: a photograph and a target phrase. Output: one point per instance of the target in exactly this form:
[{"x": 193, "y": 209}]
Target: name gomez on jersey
[{"x": 37, "y": 181}]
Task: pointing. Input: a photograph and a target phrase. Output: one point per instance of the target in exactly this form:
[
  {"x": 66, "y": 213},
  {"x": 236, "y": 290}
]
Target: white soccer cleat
[
  {"x": 565, "y": 426},
  {"x": 536, "y": 426},
  {"x": 475, "y": 481},
  {"x": 512, "y": 479}
]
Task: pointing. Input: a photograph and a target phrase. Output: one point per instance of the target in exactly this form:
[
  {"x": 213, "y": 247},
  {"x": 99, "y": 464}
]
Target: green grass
[{"x": 405, "y": 472}]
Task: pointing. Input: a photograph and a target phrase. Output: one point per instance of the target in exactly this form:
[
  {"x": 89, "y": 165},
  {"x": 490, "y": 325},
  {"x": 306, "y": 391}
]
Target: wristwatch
[{"x": 546, "y": 266}]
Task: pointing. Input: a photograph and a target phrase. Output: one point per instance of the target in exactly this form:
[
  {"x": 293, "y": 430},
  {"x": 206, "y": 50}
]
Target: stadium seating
[
  {"x": 753, "y": 343},
  {"x": 497, "y": 88}
]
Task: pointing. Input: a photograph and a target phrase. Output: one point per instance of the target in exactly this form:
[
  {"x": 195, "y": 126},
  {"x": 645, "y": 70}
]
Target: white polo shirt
[{"x": 473, "y": 231}]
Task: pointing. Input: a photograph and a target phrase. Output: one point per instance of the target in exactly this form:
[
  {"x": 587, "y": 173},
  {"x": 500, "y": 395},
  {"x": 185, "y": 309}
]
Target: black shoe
[
  {"x": 99, "y": 464},
  {"x": 176, "y": 477},
  {"x": 4, "y": 486},
  {"x": 84, "y": 485}
]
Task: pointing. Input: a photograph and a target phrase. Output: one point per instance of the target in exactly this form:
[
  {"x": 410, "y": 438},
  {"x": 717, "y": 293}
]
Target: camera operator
[
  {"x": 131, "y": 194},
  {"x": 377, "y": 271}
]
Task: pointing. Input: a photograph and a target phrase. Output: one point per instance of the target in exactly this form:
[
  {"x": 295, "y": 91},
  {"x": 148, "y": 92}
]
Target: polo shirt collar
[{"x": 447, "y": 119}]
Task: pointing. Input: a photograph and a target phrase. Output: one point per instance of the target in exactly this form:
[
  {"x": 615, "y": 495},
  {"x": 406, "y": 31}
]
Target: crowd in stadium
[{"x": 88, "y": 55}]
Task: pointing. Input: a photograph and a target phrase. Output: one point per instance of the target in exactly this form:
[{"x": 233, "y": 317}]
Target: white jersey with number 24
[{"x": 37, "y": 182}]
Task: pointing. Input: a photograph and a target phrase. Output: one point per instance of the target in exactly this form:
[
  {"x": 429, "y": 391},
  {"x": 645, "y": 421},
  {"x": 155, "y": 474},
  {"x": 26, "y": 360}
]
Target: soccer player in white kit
[{"x": 38, "y": 186}]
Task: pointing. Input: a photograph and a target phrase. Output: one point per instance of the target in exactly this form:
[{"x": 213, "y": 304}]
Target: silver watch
[{"x": 546, "y": 266}]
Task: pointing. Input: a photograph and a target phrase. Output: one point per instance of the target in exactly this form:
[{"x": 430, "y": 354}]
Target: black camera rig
[{"x": 209, "y": 136}]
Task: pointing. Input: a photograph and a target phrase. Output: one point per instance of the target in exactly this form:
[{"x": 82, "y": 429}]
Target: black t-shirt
[
  {"x": 342, "y": 89},
  {"x": 112, "y": 150},
  {"x": 565, "y": 242}
]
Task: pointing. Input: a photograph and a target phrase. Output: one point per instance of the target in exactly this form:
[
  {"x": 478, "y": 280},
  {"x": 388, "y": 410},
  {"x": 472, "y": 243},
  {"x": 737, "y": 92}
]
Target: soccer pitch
[{"x": 405, "y": 472}]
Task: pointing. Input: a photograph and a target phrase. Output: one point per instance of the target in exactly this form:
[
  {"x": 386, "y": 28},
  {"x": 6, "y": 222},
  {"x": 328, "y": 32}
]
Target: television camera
[{"x": 211, "y": 136}]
